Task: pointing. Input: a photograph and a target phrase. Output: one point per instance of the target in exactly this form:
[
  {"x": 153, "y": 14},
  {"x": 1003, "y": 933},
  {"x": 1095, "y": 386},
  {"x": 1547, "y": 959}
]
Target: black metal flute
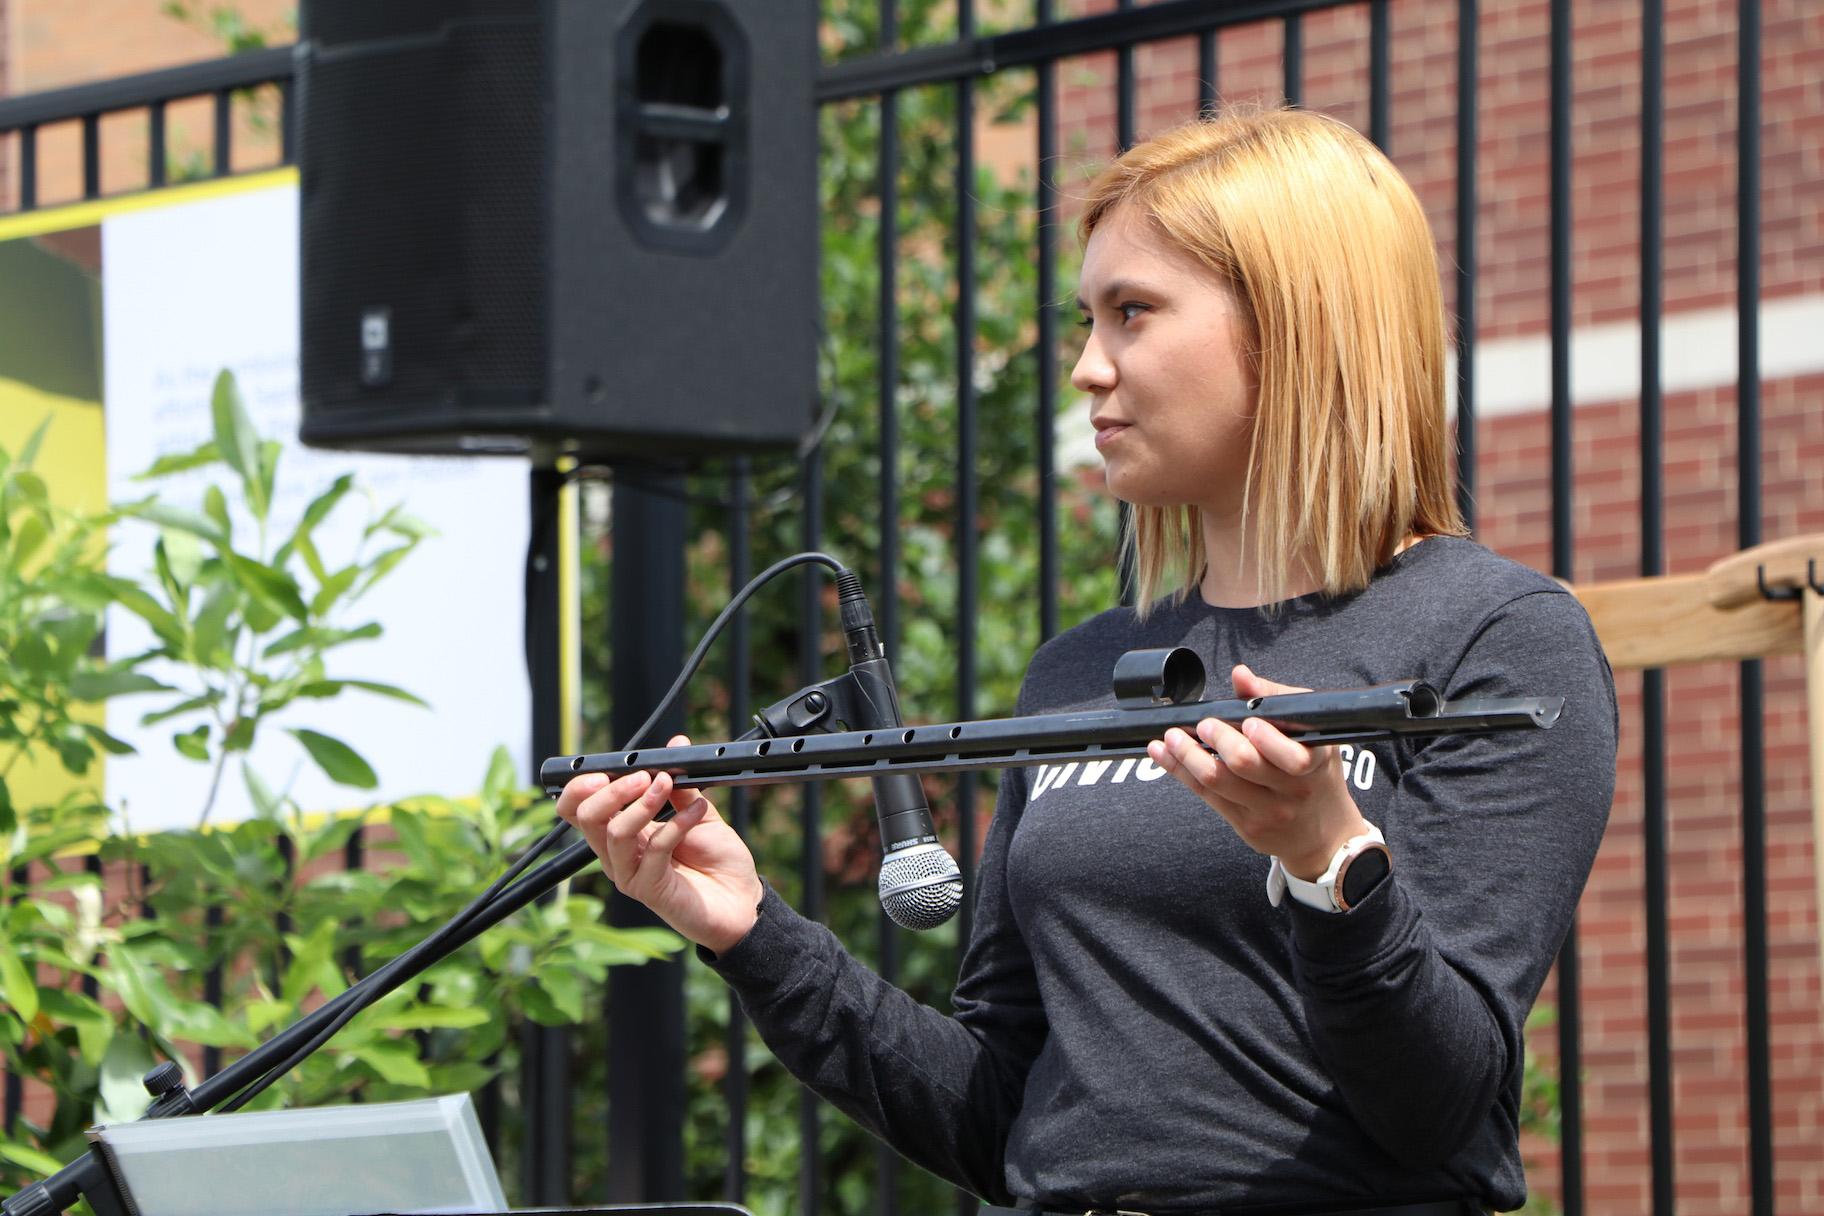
[{"x": 1155, "y": 691}]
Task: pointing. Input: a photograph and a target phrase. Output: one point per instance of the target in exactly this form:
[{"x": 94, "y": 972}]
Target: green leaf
[
  {"x": 236, "y": 439},
  {"x": 434, "y": 1017},
  {"x": 396, "y": 1061},
  {"x": 93, "y": 1025},
  {"x": 340, "y": 762},
  {"x": 112, "y": 682},
  {"x": 190, "y": 705},
  {"x": 333, "y": 587},
  {"x": 193, "y": 743},
  {"x": 123, "y": 1067},
  {"x": 273, "y": 586},
  {"x": 17, "y": 984},
  {"x": 109, "y": 743},
  {"x": 26, "y": 539},
  {"x": 215, "y": 506},
  {"x": 324, "y": 503},
  {"x": 321, "y": 639},
  {"x": 166, "y": 626},
  {"x": 31, "y": 485},
  {"x": 266, "y": 804},
  {"x": 502, "y": 777},
  {"x": 312, "y": 964},
  {"x": 8, "y": 819},
  {"x": 211, "y": 644},
  {"x": 269, "y": 472},
  {"x": 29, "y": 452},
  {"x": 384, "y": 564},
  {"x": 181, "y": 520},
  {"x": 30, "y": 1158},
  {"x": 182, "y": 462},
  {"x": 329, "y": 688},
  {"x": 240, "y": 735},
  {"x": 565, "y": 989}
]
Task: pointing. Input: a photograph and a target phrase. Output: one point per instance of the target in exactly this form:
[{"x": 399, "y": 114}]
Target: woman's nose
[{"x": 1093, "y": 372}]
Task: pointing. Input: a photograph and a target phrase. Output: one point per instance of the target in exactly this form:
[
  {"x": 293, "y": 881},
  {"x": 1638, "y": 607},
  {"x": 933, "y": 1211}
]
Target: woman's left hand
[{"x": 1280, "y": 796}]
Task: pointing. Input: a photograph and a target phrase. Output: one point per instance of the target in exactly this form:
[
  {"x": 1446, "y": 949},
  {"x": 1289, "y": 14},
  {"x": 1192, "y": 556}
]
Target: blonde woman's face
[{"x": 1171, "y": 393}]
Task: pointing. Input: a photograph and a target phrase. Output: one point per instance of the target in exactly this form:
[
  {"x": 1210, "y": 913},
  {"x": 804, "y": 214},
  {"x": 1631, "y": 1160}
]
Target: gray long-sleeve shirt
[{"x": 1136, "y": 1027}]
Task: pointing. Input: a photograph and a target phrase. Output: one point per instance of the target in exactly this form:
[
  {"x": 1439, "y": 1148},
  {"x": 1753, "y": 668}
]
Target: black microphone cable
[{"x": 333, "y": 1015}]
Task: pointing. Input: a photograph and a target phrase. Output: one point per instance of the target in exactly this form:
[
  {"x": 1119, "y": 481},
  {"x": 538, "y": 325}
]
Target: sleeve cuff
[
  {"x": 1336, "y": 947},
  {"x": 771, "y": 953}
]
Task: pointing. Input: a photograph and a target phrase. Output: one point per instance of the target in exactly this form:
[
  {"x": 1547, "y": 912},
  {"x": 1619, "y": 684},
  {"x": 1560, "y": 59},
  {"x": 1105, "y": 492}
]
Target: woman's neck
[{"x": 1231, "y": 575}]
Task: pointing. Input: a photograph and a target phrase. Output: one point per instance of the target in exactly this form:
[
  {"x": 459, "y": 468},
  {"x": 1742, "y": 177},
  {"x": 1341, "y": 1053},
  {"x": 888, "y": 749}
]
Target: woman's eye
[
  {"x": 1131, "y": 310},
  {"x": 1084, "y": 321}
]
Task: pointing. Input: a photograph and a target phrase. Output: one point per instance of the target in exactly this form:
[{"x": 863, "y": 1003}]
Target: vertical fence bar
[
  {"x": 1653, "y": 564},
  {"x": 1466, "y": 259},
  {"x": 12, "y": 1101},
  {"x": 967, "y": 495},
  {"x": 288, "y": 127},
  {"x": 740, "y": 673},
  {"x": 1570, "y": 1038},
  {"x": 1208, "y": 89},
  {"x": 91, "y": 987},
  {"x": 1047, "y": 184},
  {"x": 354, "y": 860},
  {"x": 887, "y": 934},
  {"x": 810, "y": 630},
  {"x": 1293, "y": 58},
  {"x": 91, "y": 156},
  {"x": 213, "y": 991},
  {"x": 1380, "y": 55},
  {"x": 1124, "y": 90},
  {"x": 157, "y": 154},
  {"x": 28, "y": 167},
  {"x": 545, "y": 1096},
  {"x": 224, "y": 131},
  {"x": 1748, "y": 510},
  {"x": 645, "y": 1003}
]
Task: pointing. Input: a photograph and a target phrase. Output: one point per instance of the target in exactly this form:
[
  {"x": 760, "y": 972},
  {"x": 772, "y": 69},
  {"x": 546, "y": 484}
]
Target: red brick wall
[{"x": 1513, "y": 226}]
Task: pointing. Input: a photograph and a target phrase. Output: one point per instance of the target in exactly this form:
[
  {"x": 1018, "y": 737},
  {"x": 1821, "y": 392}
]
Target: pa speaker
[{"x": 568, "y": 226}]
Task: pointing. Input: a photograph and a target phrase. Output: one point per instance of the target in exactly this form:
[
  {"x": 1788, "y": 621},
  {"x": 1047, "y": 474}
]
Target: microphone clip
[{"x": 822, "y": 708}]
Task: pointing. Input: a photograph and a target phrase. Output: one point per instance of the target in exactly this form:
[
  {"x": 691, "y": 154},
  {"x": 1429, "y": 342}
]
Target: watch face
[{"x": 1363, "y": 874}]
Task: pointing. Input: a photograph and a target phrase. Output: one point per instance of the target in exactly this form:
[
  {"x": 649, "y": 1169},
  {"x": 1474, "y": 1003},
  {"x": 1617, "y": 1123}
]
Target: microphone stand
[{"x": 91, "y": 1176}]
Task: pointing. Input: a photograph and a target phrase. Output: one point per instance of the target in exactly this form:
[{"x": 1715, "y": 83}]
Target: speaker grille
[{"x": 422, "y": 195}]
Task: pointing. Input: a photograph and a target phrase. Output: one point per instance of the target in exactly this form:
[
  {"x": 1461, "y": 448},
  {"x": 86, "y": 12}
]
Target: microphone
[{"x": 920, "y": 886}]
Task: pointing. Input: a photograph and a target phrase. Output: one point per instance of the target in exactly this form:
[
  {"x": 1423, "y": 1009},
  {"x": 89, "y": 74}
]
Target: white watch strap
[{"x": 1322, "y": 893}]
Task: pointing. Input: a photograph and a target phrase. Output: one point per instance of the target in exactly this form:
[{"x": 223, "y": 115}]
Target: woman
[{"x": 1138, "y": 1024}]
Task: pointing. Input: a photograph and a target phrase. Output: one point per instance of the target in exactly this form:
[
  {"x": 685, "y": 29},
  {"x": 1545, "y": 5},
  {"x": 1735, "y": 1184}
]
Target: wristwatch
[{"x": 1354, "y": 870}]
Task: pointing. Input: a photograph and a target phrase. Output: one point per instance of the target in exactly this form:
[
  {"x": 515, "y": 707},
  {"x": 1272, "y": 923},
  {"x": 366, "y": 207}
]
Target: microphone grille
[{"x": 920, "y": 886}]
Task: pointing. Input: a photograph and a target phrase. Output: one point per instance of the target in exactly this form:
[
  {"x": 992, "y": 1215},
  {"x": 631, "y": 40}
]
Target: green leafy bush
[{"x": 213, "y": 938}]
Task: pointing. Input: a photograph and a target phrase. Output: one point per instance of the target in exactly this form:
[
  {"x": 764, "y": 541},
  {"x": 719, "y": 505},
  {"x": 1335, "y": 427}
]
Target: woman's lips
[{"x": 1108, "y": 433}]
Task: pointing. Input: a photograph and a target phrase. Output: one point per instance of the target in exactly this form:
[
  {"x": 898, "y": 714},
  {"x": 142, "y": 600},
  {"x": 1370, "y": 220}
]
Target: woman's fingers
[
  {"x": 654, "y": 866},
  {"x": 1181, "y": 756},
  {"x": 626, "y": 831}
]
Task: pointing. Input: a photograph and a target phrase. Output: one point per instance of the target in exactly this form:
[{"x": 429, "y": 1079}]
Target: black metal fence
[{"x": 1050, "y": 43}]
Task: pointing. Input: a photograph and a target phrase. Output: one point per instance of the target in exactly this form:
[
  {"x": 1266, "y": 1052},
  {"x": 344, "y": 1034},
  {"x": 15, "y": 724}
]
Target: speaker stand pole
[
  {"x": 645, "y": 1003},
  {"x": 545, "y": 1066}
]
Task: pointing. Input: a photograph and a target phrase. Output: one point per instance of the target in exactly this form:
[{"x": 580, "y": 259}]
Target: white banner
[{"x": 194, "y": 288}]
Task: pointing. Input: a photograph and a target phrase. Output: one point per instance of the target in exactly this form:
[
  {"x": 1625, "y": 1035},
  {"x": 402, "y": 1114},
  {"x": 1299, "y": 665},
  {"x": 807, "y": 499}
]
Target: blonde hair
[{"x": 1327, "y": 250}]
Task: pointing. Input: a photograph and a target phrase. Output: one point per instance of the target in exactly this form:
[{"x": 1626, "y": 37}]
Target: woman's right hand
[{"x": 693, "y": 870}]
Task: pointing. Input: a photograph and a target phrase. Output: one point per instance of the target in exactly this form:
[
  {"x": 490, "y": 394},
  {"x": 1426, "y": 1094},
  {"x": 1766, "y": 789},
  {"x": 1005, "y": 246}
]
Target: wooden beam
[
  {"x": 1720, "y": 614},
  {"x": 1662, "y": 622}
]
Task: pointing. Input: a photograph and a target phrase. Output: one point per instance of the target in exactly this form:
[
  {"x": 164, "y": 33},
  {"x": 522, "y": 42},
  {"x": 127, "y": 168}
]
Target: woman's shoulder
[{"x": 1460, "y": 575}]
